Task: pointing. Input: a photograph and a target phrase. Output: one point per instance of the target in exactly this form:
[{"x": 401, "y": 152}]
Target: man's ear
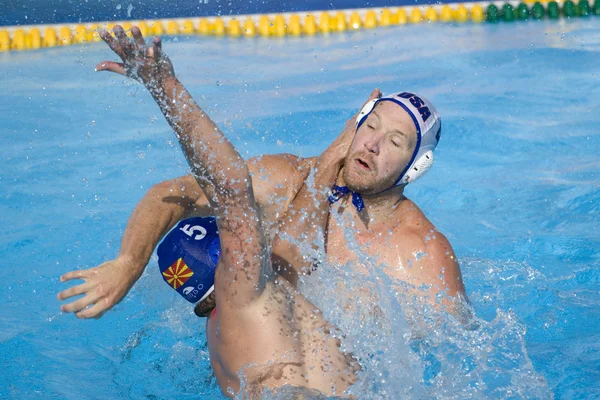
[{"x": 206, "y": 306}]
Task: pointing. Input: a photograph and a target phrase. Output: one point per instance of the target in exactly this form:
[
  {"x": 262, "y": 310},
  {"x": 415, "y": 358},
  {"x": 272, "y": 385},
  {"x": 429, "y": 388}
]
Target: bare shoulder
[
  {"x": 430, "y": 252},
  {"x": 278, "y": 176},
  {"x": 285, "y": 167}
]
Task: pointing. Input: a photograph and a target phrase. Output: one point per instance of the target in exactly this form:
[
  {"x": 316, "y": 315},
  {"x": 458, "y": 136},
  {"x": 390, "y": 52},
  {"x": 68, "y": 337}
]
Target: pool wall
[{"x": 32, "y": 37}]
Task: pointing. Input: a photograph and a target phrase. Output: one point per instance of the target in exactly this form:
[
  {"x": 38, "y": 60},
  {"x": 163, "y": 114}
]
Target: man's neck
[{"x": 378, "y": 207}]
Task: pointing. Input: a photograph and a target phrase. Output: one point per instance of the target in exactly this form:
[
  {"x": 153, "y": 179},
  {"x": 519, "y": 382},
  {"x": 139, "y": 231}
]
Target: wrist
[
  {"x": 162, "y": 88},
  {"x": 131, "y": 266},
  {"x": 327, "y": 171},
  {"x": 331, "y": 160}
]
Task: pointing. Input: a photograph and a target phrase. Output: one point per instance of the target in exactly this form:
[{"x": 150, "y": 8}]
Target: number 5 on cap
[{"x": 190, "y": 231}]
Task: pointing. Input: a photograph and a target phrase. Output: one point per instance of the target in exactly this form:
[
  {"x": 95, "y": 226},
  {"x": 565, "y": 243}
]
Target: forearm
[
  {"x": 150, "y": 221},
  {"x": 305, "y": 222},
  {"x": 215, "y": 163}
]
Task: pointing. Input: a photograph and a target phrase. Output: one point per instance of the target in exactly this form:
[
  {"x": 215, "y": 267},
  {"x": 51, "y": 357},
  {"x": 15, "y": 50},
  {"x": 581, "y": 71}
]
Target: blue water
[{"x": 515, "y": 188}]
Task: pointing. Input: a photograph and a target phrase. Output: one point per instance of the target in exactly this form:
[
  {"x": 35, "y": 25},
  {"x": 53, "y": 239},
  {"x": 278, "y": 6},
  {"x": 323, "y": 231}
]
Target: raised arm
[
  {"x": 276, "y": 179},
  {"x": 216, "y": 165}
]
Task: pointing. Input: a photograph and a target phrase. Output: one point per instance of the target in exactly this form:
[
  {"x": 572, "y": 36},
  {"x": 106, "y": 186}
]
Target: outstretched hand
[
  {"x": 104, "y": 286},
  {"x": 146, "y": 64}
]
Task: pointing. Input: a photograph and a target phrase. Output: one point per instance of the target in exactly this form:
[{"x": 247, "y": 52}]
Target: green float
[
  {"x": 492, "y": 13},
  {"x": 537, "y": 11},
  {"x": 569, "y": 10},
  {"x": 508, "y": 12},
  {"x": 553, "y": 11},
  {"x": 522, "y": 11},
  {"x": 583, "y": 8},
  {"x": 596, "y": 9}
]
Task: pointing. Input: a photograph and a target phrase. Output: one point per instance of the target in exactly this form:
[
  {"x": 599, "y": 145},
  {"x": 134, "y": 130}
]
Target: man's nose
[{"x": 372, "y": 145}]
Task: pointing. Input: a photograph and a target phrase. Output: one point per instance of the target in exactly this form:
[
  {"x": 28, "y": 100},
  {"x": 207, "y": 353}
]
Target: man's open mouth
[{"x": 363, "y": 164}]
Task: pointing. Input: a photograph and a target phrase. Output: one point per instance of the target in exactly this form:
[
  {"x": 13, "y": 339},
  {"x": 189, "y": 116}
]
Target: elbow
[
  {"x": 174, "y": 192},
  {"x": 165, "y": 189}
]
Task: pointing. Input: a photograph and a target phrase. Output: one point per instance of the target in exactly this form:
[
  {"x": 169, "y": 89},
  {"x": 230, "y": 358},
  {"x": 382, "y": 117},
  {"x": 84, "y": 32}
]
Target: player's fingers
[
  {"x": 99, "y": 315},
  {"x": 113, "y": 44},
  {"x": 150, "y": 52},
  {"x": 157, "y": 47},
  {"x": 80, "y": 304},
  {"x": 139, "y": 39},
  {"x": 375, "y": 94},
  {"x": 74, "y": 291},
  {"x": 77, "y": 274},
  {"x": 95, "y": 311},
  {"x": 111, "y": 66},
  {"x": 157, "y": 43},
  {"x": 123, "y": 39}
]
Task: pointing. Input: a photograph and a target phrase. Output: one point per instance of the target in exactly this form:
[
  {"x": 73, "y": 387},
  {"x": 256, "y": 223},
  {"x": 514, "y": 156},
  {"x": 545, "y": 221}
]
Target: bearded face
[
  {"x": 361, "y": 174},
  {"x": 382, "y": 147}
]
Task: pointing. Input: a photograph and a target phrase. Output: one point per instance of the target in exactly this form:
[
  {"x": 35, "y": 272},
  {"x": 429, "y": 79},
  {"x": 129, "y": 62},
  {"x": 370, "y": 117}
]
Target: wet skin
[{"x": 264, "y": 330}]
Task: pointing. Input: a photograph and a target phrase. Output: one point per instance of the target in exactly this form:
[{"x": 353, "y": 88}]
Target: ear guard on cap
[{"x": 419, "y": 168}]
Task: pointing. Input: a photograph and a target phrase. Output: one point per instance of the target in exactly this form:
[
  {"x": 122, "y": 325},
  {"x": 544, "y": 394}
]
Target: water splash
[{"x": 413, "y": 349}]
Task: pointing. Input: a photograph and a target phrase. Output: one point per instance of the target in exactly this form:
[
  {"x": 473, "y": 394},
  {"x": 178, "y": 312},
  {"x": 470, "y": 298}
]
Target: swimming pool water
[{"x": 515, "y": 188}]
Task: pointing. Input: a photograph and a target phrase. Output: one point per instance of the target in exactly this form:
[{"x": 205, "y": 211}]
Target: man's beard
[{"x": 365, "y": 184}]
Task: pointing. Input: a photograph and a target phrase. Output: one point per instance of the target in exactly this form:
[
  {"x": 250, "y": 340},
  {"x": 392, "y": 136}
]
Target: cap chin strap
[
  {"x": 338, "y": 192},
  {"x": 419, "y": 168}
]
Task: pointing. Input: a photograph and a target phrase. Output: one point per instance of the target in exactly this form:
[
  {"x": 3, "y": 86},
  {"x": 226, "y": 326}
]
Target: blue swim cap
[{"x": 188, "y": 257}]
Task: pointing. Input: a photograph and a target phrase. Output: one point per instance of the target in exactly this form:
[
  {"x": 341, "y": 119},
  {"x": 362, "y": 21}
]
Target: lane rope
[{"x": 32, "y": 37}]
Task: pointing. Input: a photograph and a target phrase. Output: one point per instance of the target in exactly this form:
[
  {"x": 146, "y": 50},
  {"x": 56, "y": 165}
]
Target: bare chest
[{"x": 364, "y": 248}]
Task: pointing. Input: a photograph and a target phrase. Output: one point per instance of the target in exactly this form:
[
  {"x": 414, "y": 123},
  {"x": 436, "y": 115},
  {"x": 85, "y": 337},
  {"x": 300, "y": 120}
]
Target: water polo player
[
  {"x": 386, "y": 153},
  {"x": 201, "y": 250},
  {"x": 265, "y": 333}
]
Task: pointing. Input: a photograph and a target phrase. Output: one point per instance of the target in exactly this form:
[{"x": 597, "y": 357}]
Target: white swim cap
[{"x": 429, "y": 127}]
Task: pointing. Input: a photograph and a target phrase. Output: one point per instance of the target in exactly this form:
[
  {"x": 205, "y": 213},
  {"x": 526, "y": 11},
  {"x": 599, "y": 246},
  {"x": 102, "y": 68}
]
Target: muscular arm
[
  {"x": 158, "y": 211},
  {"x": 305, "y": 222},
  {"x": 275, "y": 179},
  {"x": 435, "y": 272},
  {"x": 166, "y": 203},
  {"x": 244, "y": 264}
]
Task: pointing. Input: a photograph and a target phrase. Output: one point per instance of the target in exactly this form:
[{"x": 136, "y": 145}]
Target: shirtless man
[
  {"x": 264, "y": 329},
  {"x": 393, "y": 138}
]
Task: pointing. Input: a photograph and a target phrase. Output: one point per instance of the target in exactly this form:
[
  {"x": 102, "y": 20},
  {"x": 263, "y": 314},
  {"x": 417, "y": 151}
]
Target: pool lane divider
[{"x": 299, "y": 24}]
